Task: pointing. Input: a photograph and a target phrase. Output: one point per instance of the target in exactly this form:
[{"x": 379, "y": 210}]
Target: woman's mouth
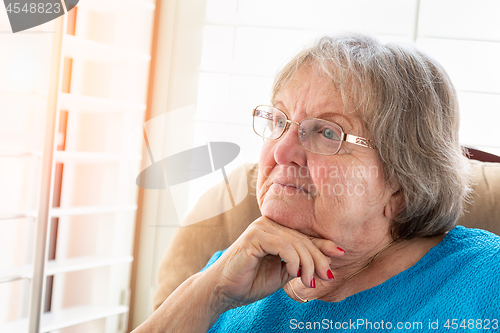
[{"x": 291, "y": 188}]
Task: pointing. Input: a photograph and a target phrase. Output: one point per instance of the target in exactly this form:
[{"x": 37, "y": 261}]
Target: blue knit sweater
[{"x": 455, "y": 287}]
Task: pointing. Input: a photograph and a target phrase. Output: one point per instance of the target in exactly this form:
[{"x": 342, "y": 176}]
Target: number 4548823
[
  {"x": 33, "y": 8},
  {"x": 472, "y": 324}
]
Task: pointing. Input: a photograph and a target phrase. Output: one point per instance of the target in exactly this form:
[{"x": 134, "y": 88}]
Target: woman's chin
[{"x": 291, "y": 214}]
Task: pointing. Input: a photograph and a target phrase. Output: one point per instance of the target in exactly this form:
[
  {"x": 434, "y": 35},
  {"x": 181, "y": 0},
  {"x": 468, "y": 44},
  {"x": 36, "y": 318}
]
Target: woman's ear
[{"x": 394, "y": 205}]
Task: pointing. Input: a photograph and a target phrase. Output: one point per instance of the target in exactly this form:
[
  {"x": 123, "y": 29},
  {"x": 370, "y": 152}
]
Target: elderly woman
[{"x": 361, "y": 181}]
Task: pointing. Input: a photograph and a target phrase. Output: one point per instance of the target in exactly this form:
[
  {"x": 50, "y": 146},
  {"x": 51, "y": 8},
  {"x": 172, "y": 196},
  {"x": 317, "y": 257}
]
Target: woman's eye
[
  {"x": 280, "y": 122},
  {"x": 330, "y": 134}
]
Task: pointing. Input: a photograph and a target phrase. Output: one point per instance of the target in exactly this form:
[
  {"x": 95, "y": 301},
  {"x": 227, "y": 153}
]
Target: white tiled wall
[
  {"x": 464, "y": 36},
  {"x": 479, "y": 120},
  {"x": 262, "y": 51},
  {"x": 460, "y": 19},
  {"x": 472, "y": 65},
  {"x": 218, "y": 44},
  {"x": 247, "y": 41}
]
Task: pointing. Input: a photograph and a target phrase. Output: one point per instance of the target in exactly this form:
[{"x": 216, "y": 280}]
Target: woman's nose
[{"x": 288, "y": 150}]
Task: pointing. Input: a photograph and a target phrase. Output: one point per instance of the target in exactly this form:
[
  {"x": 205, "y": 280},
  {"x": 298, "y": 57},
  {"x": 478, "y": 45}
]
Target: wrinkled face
[{"x": 340, "y": 197}]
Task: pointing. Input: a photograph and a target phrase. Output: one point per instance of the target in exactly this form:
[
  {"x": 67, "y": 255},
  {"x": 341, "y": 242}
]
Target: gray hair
[{"x": 409, "y": 106}]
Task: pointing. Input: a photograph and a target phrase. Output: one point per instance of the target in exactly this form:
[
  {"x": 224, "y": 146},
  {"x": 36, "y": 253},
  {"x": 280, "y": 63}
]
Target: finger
[
  {"x": 327, "y": 247},
  {"x": 279, "y": 246},
  {"x": 320, "y": 260},
  {"x": 312, "y": 260},
  {"x": 307, "y": 262}
]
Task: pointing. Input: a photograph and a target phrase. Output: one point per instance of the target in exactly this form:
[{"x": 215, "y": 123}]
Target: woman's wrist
[
  {"x": 193, "y": 307},
  {"x": 210, "y": 294},
  {"x": 199, "y": 301}
]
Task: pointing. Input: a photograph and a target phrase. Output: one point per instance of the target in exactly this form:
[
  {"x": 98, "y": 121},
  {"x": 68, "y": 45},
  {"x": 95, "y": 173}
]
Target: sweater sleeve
[{"x": 213, "y": 259}]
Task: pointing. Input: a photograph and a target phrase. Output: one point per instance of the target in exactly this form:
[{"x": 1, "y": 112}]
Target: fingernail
[
  {"x": 329, "y": 274},
  {"x": 340, "y": 249},
  {"x": 313, "y": 283},
  {"x": 298, "y": 273}
]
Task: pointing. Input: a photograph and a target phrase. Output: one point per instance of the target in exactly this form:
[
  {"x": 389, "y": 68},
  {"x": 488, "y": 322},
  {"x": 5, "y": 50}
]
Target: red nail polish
[
  {"x": 340, "y": 249},
  {"x": 298, "y": 273},
  {"x": 313, "y": 283},
  {"x": 329, "y": 274}
]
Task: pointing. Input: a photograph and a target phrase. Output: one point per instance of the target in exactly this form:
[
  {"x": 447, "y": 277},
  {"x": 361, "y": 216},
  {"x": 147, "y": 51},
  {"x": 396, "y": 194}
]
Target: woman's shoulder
[
  {"x": 474, "y": 250},
  {"x": 462, "y": 239}
]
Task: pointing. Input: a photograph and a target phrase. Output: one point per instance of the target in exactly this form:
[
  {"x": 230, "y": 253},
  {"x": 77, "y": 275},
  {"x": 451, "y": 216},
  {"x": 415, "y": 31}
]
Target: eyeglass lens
[{"x": 317, "y": 135}]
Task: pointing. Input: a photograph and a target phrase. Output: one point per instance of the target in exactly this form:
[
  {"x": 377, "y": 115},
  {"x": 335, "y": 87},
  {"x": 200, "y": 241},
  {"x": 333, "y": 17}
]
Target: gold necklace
[{"x": 349, "y": 277}]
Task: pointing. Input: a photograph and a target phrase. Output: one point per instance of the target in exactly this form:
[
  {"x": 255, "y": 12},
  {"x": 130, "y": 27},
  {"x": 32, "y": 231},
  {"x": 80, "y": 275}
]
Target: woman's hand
[{"x": 265, "y": 257}]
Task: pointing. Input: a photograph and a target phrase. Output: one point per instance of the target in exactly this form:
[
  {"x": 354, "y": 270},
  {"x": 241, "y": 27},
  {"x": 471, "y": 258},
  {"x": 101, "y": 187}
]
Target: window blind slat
[
  {"x": 62, "y": 266},
  {"x": 73, "y": 102},
  {"x": 67, "y": 156},
  {"x": 65, "y": 318},
  {"x": 114, "y": 6},
  {"x": 58, "y": 212},
  {"x": 94, "y": 51},
  {"x": 20, "y": 215},
  {"x": 71, "y": 211},
  {"x": 19, "y": 154}
]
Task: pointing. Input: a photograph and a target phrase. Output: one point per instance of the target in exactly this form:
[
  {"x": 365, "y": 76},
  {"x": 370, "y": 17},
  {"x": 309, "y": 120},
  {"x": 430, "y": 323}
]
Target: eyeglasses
[{"x": 317, "y": 135}]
